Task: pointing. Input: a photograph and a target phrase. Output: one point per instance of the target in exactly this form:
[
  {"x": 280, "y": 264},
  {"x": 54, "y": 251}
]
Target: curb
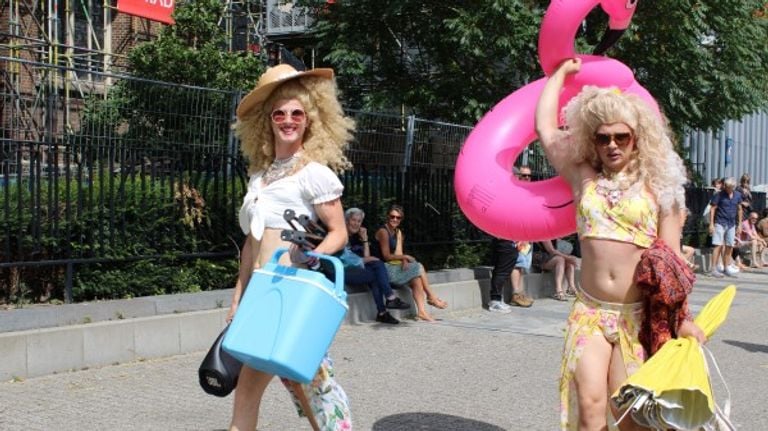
[{"x": 168, "y": 325}]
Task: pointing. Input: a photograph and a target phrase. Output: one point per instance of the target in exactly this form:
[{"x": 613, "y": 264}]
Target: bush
[
  {"x": 115, "y": 217},
  {"x": 145, "y": 277}
]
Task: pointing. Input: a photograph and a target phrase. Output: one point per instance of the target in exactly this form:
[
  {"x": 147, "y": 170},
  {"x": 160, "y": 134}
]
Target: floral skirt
[
  {"x": 619, "y": 324},
  {"x": 327, "y": 399}
]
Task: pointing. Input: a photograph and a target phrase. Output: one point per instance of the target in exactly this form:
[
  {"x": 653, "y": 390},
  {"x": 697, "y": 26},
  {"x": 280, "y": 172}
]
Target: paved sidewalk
[{"x": 473, "y": 371}]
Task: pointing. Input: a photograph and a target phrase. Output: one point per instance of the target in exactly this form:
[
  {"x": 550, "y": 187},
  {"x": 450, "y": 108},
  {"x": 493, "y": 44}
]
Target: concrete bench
[{"x": 462, "y": 288}]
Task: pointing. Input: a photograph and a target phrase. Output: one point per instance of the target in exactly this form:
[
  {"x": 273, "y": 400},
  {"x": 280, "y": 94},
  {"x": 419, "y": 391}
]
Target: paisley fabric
[
  {"x": 666, "y": 281},
  {"x": 634, "y": 217}
]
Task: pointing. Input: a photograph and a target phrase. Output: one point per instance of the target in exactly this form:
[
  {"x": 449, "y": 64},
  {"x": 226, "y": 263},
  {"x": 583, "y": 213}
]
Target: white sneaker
[
  {"x": 730, "y": 273},
  {"x": 720, "y": 267},
  {"x": 499, "y": 307},
  {"x": 733, "y": 269}
]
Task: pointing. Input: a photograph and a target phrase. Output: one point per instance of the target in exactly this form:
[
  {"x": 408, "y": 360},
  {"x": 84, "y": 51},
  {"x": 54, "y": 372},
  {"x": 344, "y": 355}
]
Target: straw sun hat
[{"x": 271, "y": 79}]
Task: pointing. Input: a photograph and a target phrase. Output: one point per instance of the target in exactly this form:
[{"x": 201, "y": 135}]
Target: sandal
[
  {"x": 559, "y": 296},
  {"x": 570, "y": 292},
  {"x": 437, "y": 303}
]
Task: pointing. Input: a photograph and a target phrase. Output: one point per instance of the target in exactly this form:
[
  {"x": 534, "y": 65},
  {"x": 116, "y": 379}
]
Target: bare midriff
[
  {"x": 608, "y": 269},
  {"x": 264, "y": 249}
]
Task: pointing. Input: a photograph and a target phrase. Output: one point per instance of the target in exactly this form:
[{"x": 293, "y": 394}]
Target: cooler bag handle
[{"x": 338, "y": 269}]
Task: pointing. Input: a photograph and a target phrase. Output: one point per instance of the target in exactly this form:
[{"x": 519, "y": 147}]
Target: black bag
[{"x": 219, "y": 371}]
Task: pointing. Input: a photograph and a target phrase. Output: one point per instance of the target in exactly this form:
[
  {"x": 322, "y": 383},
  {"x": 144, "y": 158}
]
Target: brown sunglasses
[{"x": 605, "y": 139}]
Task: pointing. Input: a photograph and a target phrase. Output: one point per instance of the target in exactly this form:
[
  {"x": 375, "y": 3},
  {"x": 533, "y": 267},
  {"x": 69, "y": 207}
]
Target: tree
[
  {"x": 440, "y": 59},
  {"x": 193, "y": 52},
  {"x": 705, "y": 61}
]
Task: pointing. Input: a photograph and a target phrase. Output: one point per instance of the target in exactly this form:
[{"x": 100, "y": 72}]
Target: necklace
[
  {"x": 613, "y": 186},
  {"x": 280, "y": 168}
]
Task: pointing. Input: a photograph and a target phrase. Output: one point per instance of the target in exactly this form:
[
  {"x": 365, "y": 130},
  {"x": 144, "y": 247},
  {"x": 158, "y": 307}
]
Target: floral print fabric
[
  {"x": 618, "y": 323},
  {"x": 633, "y": 218},
  {"x": 327, "y": 399}
]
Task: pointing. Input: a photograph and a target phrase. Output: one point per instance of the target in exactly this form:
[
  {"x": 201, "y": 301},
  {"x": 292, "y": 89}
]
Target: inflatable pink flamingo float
[{"x": 486, "y": 191}]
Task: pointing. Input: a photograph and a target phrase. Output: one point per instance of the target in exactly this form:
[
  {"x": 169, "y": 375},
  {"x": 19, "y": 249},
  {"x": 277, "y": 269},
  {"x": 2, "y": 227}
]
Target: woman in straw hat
[
  {"x": 293, "y": 133},
  {"x": 627, "y": 180}
]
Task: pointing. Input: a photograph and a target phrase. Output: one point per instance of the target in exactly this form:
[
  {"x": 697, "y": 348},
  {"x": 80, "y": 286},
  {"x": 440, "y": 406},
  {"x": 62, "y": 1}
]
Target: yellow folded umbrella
[
  {"x": 672, "y": 389},
  {"x": 715, "y": 311}
]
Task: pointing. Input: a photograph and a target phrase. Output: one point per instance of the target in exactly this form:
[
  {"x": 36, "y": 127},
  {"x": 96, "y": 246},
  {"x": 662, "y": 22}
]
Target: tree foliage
[
  {"x": 193, "y": 51},
  {"x": 705, "y": 61}
]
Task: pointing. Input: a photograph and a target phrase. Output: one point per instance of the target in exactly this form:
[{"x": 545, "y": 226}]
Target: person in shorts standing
[{"x": 724, "y": 225}]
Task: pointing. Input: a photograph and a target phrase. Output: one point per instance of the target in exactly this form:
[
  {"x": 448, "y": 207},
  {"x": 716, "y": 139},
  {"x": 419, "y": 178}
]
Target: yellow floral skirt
[{"x": 618, "y": 323}]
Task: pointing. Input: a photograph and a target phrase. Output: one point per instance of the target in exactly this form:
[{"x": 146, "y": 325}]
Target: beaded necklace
[
  {"x": 280, "y": 168},
  {"x": 613, "y": 186}
]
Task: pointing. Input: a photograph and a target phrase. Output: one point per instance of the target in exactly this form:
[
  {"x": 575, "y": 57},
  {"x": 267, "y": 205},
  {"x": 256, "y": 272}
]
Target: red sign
[{"x": 156, "y": 10}]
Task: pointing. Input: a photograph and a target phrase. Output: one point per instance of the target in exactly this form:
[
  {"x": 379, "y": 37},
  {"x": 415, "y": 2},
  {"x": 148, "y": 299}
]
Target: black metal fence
[{"x": 118, "y": 168}]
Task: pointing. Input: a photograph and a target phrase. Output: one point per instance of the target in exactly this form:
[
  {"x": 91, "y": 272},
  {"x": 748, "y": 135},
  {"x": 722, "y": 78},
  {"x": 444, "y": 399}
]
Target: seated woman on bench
[
  {"x": 403, "y": 268},
  {"x": 369, "y": 269}
]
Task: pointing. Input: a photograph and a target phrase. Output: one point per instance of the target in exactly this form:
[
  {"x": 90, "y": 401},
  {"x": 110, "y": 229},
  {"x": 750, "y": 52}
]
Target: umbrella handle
[
  {"x": 636, "y": 405},
  {"x": 722, "y": 421}
]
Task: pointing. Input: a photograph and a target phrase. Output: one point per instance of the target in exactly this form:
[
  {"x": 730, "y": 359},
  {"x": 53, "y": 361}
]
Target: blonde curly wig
[
  {"x": 653, "y": 160},
  {"x": 327, "y": 135}
]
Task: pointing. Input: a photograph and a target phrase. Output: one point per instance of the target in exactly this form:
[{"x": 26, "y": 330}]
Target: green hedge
[{"x": 114, "y": 217}]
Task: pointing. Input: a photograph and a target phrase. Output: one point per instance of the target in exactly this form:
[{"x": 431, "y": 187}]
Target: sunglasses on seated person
[
  {"x": 605, "y": 139},
  {"x": 395, "y": 217}
]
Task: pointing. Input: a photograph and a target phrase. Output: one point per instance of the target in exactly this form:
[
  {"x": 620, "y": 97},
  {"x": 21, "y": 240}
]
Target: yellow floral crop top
[{"x": 630, "y": 216}]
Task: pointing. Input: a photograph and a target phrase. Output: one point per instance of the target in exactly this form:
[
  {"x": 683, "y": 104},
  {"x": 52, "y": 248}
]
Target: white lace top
[{"x": 263, "y": 206}]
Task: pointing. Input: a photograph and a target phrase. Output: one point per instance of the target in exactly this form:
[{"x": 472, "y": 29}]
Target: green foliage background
[{"x": 705, "y": 61}]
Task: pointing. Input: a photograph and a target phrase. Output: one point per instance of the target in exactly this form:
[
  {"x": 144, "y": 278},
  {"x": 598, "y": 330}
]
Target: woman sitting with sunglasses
[{"x": 403, "y": 268}]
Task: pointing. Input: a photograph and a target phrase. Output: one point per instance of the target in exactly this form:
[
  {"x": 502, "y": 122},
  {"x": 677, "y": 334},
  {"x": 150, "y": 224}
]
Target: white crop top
[{"x": 263, "y": 206}]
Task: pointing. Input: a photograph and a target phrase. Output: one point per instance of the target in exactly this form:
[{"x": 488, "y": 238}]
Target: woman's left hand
[{"x": 691, "y": 329}]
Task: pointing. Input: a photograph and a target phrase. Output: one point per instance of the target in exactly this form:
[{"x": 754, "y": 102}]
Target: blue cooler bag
[{"x": 287, "y": 319}]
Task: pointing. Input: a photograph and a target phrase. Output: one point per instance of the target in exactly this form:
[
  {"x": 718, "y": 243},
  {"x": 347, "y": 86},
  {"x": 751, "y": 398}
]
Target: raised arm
[{"x": 551, "y": 137}]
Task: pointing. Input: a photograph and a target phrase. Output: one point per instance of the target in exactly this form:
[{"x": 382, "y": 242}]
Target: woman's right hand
[
  {"x": 363, "y": 234},
  {"x": 300, "y": 257},
  {"x": 569, "y": 66},
  {"x": 232, "y": 311}
]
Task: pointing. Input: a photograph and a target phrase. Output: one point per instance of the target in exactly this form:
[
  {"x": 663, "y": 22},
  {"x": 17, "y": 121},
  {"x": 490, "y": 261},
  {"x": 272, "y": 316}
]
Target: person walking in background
[
  {"x": 404, "y": 268},
  {"x": 724, "y": 225},
  {"x": 369, "y": 269},
  {"x": 627, "y": 181},
  {"x": 293, "y": 133}
]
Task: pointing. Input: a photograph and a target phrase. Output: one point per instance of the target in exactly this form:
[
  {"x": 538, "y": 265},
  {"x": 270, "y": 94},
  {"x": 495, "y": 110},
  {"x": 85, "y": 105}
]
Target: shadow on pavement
[
  {"x": 431, "y": 422},
  {"x": 749, "y": 347}
]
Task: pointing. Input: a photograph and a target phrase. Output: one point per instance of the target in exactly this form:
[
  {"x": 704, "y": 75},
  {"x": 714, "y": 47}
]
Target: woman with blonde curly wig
[
  {"x": 627, "y": 182},
  {"x": 293, "y": 133}
]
